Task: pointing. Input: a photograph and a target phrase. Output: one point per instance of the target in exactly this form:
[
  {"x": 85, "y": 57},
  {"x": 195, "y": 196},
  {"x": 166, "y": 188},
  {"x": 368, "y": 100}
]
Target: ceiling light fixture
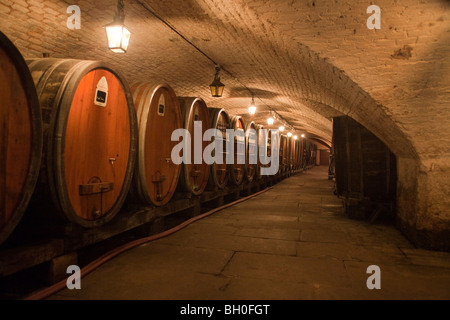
[
  {"x": 252, "y": 108},
  {"x": 295, "y": 137},
  {"x": 117, "y": 33},
  {"x": 302, "y": 135},
  {"x": 289, "y": 134},
  {"x": 270, "y": 121},
  {"x": 217, "y": 86},
  {"x": 281, "y": 128}
]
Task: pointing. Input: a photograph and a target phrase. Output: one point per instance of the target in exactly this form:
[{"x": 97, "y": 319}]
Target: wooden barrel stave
[{"x": 20, "y": 138}]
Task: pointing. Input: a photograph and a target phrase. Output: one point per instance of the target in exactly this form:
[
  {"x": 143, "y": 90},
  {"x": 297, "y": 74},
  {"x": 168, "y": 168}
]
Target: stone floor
[{"x": 292, "y": 242}]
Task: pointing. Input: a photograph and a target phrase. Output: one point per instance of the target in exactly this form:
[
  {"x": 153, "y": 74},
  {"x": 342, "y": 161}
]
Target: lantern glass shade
[
  {"x": 289, "y": 134},
  {"x": 252, "y": 110},
  {"x": 281, "y": 128},
  {"x": 295, "y": 137},
  {"x": 270, "y": 121},
  {"x": 217, "y": 87},
  {"x": 118, "y": 37}
]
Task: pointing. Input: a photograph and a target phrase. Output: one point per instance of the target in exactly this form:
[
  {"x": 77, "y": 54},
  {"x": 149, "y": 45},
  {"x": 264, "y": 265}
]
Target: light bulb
[
  {"x": 281, "y": 128},
  {"x": 295, "y": 137},
  {"x": 252, "y": 110},
  {"x": 303, "y": 136},
  {"x": 270, "y": 121},
  {"x": 289, "y": 134}
]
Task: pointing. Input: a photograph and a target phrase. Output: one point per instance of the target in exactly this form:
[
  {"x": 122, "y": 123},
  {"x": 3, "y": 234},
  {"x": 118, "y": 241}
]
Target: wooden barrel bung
[
  {"x": 159, "y": 115},
  {"x": 90, "y": 138},
  {"x": 194, "y": 176},
  {"x": 237, "y": 171},
  {"x": 220, "y": 120},
  {"x": 20, "y": 138},
  {"x": 251, "y": 151}
]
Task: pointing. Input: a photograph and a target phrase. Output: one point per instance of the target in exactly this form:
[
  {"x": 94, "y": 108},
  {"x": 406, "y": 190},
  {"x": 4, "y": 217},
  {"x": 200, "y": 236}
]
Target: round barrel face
[
  {"x": 158, "y": 116},
  {"x": 284, "y": 146},
  {"x": 262, "y": 148},
  {"x": 16, "y": 135},
  {"x": 221, "y": 169},
  {"x": 96, "y": 145},
  {"x": 251, "y": 151},
  {"x": 238, "y": 171},
  {"x": 197, "y": 174}
]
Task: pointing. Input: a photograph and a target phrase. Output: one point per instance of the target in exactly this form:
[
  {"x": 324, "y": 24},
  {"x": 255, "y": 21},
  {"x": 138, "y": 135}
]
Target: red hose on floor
[{"x": 42, "y": 294}]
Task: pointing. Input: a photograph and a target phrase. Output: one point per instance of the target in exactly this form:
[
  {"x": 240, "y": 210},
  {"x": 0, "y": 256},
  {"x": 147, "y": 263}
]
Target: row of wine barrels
[
  {"x": 90, "y": 139},
  {"x": 77, "y": 130},
  {"x": 20, "y": 137}
]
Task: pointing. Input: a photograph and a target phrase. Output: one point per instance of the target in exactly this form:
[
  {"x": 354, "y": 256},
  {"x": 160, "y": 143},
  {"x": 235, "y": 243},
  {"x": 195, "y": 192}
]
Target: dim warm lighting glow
[
  {"x": 295, "y": 137},
  {"x": 117, "y": 33},
  {"x": 270, "y": 121},
  {"x": 281, "y": 128},
  {"x": 252, "y": 108},
  {"x": 216, "y": 86},
  {"x": 302, "y": 135},
  {"x": 118, "y": 37},
  {"x": 289, "y": 134}
]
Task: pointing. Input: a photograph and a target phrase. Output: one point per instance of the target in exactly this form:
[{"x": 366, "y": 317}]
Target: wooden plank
[{"x": 23, "y": 257}]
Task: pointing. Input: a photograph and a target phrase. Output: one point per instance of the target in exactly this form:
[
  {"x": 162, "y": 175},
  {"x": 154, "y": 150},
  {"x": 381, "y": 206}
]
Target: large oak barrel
[
  {"x": 297, "y": 157},
  {"x": 275, "y": 143},
  {"x": 20, "y": 137},
  {"x": 90, "y": 139},
  {"x": 220, "y": 120},
  {"x": 194, "y": 176},
  {"x": 237, "y": 171},
  {"x": 291, "y": 158},
  {"x": 159, "y": 115},
  {"x": 262, "y": 144},
  {"x": 251, "y": 151}
]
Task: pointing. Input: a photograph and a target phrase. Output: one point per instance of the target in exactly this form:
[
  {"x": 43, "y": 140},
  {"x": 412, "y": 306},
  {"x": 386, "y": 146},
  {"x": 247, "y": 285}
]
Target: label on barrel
[
  {"x": 161, "y": 106},
  {"x": 101, "y": 94}
]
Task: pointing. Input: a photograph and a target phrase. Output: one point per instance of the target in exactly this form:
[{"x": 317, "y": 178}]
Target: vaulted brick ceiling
[{"x": 308, "y": 60}]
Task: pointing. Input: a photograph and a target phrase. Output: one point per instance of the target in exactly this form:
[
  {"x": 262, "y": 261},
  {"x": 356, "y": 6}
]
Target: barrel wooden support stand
[{"x": 49, "y": 257}]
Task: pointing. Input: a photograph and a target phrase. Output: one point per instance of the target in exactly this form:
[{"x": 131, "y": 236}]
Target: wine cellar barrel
[
  {"x": 194, "y": 176},
  {"x": 283, "y": 153},
  {"x": 262, "y": 147},
  {"x": 298, "y": 154},
  {"x": 291, "y": 142},
  {"x": 20, "y": 139},
  {"x": 158, "y": 113},
  {"x": 237, "y": 170},
  {"x": 90, "y": 137},
  {"x": 273, "y": 142},
  {"x": 251, "y": 151},
  {"x": 220, "y": 120}
]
